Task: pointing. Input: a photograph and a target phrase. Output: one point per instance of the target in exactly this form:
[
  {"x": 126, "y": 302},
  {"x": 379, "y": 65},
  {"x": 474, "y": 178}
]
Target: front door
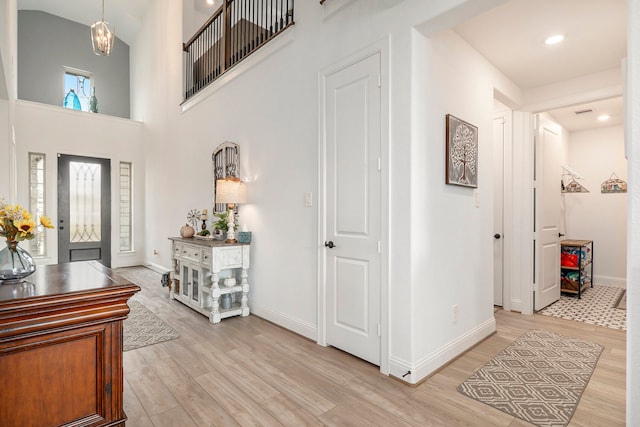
[
  {"x": 547, "y": 213},
  {"x": 84, "y": 209},
  {"x": 353, "y": 208}
]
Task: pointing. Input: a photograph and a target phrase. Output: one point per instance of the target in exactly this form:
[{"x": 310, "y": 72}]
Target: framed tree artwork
[{"x": 462, "y": 152}]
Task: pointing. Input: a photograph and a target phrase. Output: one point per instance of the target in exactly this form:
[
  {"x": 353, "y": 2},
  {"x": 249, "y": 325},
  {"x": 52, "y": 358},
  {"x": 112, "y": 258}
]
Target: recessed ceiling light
[
  {"x": 604, "y": 117},
  {"x": 210, "y": 1},
  {"x": 555, "y": 39}
]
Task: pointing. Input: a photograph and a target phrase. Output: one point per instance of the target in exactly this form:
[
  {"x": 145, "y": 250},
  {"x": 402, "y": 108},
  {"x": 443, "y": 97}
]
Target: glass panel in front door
[{"x": 85, "y": 188}]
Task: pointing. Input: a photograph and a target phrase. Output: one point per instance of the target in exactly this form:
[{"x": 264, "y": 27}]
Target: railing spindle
[{"x": 233, "y": 32}]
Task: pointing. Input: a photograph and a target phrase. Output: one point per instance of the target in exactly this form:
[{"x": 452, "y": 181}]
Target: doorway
[
  {"x": 84, "y": 209},
  {"x": 592, "y": 152}
]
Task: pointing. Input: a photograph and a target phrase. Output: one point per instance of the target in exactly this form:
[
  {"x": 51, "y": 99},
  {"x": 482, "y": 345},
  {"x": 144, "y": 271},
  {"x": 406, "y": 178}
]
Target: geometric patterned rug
[
  {"x": 596, "y": 307},
  {"x": 538, "y": 378},
  {"x": 143, "y": 328}
]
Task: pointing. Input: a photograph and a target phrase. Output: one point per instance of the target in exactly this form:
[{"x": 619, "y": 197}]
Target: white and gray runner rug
[
  {"x": 538, "y": 378},
  {"x": 143, "y": 328}
]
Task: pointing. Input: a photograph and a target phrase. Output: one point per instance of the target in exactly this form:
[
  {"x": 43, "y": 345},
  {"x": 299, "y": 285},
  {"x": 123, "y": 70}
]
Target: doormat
[
  {"x": 538, "y": 378},
  {"x": 143, "y": 328}
]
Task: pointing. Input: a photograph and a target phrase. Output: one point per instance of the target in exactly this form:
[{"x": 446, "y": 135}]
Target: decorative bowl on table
[{"x": 198, "y": 236}]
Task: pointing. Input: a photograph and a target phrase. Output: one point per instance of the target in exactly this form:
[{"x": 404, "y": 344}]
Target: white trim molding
[
  {"x": 618, "y": 282},
  {"x": 305, "y": 329},
  {"x": 414, "y": 373}
]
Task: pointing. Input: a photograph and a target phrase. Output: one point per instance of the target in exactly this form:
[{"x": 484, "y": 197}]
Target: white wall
[
  {"x": 632, "y": 149},
  {"x": 5, "y": 143},
  {"x": 193, "y": 19},
  {"x": 51, "y": 130},
  {"x": 452, "y": 236},
  {"x": 271, "y": 111},
  {"x": 596, "y": 154},
  {"x": 8, "y": 51}
]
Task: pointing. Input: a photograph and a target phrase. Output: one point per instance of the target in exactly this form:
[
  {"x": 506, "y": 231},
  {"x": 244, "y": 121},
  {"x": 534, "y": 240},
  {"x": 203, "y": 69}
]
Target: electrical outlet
[
  {"x": 308, "y": 200},
  {"x": 455, "y": 312}
]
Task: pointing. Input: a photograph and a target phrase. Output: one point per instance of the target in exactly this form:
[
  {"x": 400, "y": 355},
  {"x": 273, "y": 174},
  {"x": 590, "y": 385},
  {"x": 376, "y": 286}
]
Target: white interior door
[
  {"x": 353, "y": 208},
  {"x": 547, "y": 213},
  {"x": 498, "y": 203}
]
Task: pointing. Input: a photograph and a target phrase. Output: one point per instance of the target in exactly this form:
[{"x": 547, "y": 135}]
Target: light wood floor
[{"x": 247, "y": 371}]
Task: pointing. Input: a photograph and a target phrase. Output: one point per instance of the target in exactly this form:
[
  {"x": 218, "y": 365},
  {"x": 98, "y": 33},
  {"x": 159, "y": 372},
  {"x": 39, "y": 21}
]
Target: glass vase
[{"x": 15, "y": 263}]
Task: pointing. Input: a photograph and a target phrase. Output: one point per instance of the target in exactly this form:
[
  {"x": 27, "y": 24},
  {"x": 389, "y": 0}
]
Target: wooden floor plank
[{"x": 247, "y": 371}]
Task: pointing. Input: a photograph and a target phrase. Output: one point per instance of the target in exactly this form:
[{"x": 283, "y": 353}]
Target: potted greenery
[{"x": 221, "y": 226}]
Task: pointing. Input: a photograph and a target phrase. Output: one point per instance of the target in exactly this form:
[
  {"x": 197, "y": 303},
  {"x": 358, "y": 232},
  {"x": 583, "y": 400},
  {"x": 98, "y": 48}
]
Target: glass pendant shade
[{"x": 102, "y": 38}]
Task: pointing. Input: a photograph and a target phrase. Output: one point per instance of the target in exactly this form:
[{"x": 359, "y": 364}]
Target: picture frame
[{"x": 462, "y": 152}]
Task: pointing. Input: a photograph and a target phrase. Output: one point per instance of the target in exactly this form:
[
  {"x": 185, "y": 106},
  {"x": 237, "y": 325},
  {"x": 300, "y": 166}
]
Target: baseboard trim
[
  {"x": 307, "y": 330},
  {"x": 516, "y": 305},
  {"x": 429, "y": 364},
  {"x": 157, "y": 267},
  {"x": 619, "y": 282}
]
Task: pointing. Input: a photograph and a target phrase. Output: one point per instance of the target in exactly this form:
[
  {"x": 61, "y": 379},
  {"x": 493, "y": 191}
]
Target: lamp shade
[{"x": 230, "y": 191}]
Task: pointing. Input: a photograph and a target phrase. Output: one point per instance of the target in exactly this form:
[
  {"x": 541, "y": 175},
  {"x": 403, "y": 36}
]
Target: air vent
[{"x": 584, "y": 111}]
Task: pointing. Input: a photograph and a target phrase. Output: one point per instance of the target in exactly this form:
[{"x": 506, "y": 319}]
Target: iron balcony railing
[{"x": 236, "y": 29}]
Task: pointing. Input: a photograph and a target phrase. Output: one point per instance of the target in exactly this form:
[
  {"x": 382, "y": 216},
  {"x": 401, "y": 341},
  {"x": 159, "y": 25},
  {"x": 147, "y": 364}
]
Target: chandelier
[{"x": 102, "y": 38}]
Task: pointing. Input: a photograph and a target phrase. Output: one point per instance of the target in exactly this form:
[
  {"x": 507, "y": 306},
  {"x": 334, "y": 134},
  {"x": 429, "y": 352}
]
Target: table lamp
[{"x": 231, "y": 191}]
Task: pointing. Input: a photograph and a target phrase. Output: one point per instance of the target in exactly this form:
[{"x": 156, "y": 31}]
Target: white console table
[{"x": 205, "y": 270}]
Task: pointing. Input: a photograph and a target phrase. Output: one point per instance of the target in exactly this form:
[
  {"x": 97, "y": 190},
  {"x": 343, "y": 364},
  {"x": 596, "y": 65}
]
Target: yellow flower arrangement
[{"x": 17, "y": 224}]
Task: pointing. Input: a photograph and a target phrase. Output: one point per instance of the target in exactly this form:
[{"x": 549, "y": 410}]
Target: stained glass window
[{"x": 77, "y": 89}]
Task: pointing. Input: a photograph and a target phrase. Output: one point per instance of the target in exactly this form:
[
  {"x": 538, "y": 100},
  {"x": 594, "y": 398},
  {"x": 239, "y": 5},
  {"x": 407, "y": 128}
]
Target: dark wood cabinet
[{"x": 61, "y": 347}]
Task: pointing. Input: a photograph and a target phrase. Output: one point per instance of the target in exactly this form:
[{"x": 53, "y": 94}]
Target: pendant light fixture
[{"x": 102, "y": 38}]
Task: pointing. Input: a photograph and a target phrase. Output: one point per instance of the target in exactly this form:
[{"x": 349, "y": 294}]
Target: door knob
[
  {"x": 496, "y": 236},
  {"x": 329, "y": 244},
  {"x": 560, "y": 235}
]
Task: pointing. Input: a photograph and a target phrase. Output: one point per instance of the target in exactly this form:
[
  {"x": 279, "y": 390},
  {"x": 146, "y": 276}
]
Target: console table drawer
[
  {"x": 191, "y": 253},
  {"x": 206, "y": 257}
]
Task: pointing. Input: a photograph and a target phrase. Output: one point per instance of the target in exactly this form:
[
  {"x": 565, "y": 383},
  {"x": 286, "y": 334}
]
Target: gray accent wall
[{"x": 48, "y": 43}]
